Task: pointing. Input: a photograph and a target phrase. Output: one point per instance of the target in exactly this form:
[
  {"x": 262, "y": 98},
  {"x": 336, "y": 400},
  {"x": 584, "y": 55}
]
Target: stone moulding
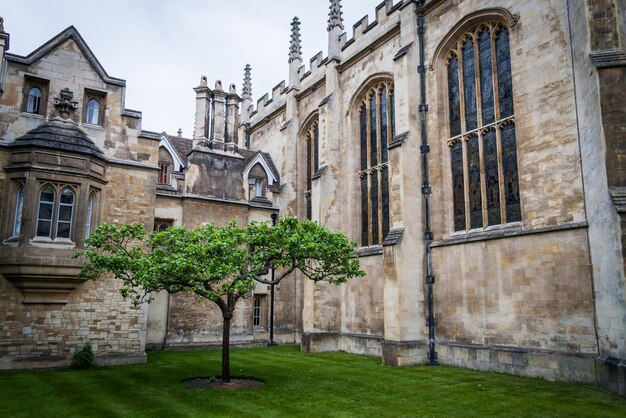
[
  {"x": 608, "y": 59},
  {"x": 504, "y": 232},
  {"x": 398, "y": 140},
  {"x": 369, "y": 251}
]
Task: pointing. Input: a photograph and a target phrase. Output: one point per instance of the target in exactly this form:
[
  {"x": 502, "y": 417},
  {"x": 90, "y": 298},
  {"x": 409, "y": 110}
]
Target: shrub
[{"x": 83, "y": 358}]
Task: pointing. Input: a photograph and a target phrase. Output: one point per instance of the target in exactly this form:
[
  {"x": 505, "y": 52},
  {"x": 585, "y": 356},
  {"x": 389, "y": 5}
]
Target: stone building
[{"x": 471, "y": 148}]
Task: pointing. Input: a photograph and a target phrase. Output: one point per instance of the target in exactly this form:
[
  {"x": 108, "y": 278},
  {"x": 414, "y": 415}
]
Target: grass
[{"x": 296, "y": 384}]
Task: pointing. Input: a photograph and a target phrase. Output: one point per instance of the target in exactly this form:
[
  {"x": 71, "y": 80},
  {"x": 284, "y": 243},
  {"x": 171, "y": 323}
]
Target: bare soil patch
[{"x": 216, "y": 383}]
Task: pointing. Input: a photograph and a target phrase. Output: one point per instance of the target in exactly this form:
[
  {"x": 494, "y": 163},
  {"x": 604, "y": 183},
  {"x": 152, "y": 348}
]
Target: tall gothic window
[
  {"x": 312, "y": 162},
  {"x": 483, "y": 151},
  {"x": 376, "y": 130}
]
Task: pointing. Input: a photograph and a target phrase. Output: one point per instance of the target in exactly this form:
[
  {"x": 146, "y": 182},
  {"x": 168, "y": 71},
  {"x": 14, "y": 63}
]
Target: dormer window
[
  {"x": 257, "y": 187},
  {"x": 164, "y": 173},
  {"x": 93, "y": 111}
]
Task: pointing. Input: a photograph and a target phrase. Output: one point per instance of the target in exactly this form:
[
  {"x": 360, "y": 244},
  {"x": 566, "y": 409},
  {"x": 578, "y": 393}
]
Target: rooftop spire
[
  {"x": 246, "y": 92},
  {"x": 334, "y": 17},
  {"x": 295, "y": 49}
]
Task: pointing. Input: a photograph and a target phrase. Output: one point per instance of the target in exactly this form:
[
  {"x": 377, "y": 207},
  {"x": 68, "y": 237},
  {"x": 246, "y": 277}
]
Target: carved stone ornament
[{"x": 64, "y": 103}]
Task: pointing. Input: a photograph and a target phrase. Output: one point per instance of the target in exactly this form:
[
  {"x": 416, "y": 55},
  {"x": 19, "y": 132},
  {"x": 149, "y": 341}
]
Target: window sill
[
  {"x": 369, "y": 251},
  {"x": 12, "y": 241},
  {"x": 58, "y": 243},
  {"x": 32, "y": 115},
  {"x": 93, "y": 126},
  {"x": 501, "y": 231}
]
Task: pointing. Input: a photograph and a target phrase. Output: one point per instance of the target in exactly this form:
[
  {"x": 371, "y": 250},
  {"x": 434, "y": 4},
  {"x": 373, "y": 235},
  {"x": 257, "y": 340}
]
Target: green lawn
[{"x": 297, "y": 384}]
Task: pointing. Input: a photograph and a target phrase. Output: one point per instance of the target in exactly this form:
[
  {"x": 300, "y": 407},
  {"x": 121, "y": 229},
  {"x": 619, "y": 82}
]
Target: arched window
[
  {"x": 89, "y": 215},
  {"x": 376, "y": 130},
  {"x": 312, "y": 162},
  {"x": 34, "y": 100},
  {"x": 64, "y": 217},
  {"x": 482, "y": 129},
  {"x": 93, "y": 111},
  {"x": 257, "y": 182},
  {"x": 19, "y": 208},
  {"x": 45, "y": 211}
]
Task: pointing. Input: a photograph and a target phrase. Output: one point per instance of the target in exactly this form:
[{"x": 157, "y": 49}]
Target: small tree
[{"x": 220, "y": 264}]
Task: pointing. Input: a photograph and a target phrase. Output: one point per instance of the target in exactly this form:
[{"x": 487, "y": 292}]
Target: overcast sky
[{"x": 161, "y": 48}]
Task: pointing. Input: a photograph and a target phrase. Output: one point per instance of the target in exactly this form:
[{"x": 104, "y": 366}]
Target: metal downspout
[{"x": 426, "y": 191}]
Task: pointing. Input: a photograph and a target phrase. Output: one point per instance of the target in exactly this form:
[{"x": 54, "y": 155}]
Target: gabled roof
[
  {"x": 69, "y": 33},
  {"x": 252, "y": 157},
  {"x": 178, "y": 148}
]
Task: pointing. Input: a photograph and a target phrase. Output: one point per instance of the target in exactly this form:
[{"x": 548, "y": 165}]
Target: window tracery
[
  {"x": 482, "y": 142},
  {"x": 376, "y": 130}
]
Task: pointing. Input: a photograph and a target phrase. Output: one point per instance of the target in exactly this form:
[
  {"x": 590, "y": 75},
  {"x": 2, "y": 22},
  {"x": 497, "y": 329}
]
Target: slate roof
[
  {"x": 58, "y": 133},
  {"x": 182, "y": 146}
]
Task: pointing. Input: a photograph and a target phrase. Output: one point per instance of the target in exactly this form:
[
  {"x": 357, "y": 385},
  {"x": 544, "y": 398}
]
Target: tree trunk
[{"x": 226, "y": 347}]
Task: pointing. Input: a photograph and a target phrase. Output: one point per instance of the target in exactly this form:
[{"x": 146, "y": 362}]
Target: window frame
[
  {"x": 312, "y": 163},
  {"x": 165, "y": 174},
  {"x": 100, "y": 98},
  {"x": 472, "y": 142},
  {"x": 55, "y": 221},
  {"x": 41, "y": 84},
  {"x": 376, "y": 130},
  {"x": 20, "y": 195}
]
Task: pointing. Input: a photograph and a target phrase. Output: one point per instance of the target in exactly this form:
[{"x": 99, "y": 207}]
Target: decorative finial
[
  {"x": 295, "y": 49},
  {"x": 1, "y": 24},
  {"x": 180, "y": 133},
  {"x": 335, "y": 16},
  {"x": 64, "y": 103},
  {"x": 246, "y": 92}
]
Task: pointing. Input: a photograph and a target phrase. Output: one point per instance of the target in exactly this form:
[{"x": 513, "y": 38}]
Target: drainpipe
[{"x": 426, "y": 191}]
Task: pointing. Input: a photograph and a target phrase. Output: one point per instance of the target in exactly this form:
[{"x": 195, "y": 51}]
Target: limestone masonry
[{"x": 473, "y": 149}]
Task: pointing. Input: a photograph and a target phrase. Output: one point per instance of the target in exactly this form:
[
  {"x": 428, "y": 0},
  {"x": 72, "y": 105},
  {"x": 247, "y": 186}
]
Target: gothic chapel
[{"x": 472, "y": 149}]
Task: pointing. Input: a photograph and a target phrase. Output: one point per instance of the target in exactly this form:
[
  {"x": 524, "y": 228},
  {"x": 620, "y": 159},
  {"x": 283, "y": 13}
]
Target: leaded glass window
[
  {"x": 376, "y": 130},
  {"x": 19, "y": 209},
  {"x": 64, "y": 218},
  {"x": 89, "y": 216},
  {"x": 312, "y": 140},
  {"x": 45, "y": 212},
  {"x": 483, "y": 156}
]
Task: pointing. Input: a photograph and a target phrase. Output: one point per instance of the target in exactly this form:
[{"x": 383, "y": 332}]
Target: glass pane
[
  {"x": 43, "y": 228},
  {"x": 383, "y": 125},
  {"x": 316, "y": 149},
  {"x": 454, "y": 97},
  {"x": 363, "y": 129},
  {"x": 308, "y": 162},
  {"x": 47, "y": 195},
  {"x": 393, "y": 113},
  {"x": 469, "y": 86},
  {"x": 93, "y": 111},
  {"x": 486, "y": 77},
  {"x": 492, "y": 182},
  {"x": 456, "y": 157},
  {"x": 19, "y": 207},
  {"x": 511, "y": 182},
  {"x": 473, "y": 160},
  {"x": 67, "y": 197},
  {"x": 65, "y": 213},
  {"x": 45, "y": 211},
  {"x": 34, "y": 100},
  {"x": 364, "y": 212},
  {"x": 63, "y": 230},
  {"x": 88, "y": 217},
  {"x": 385, "y": 196},
  {"x": 374, "y": 206},
  {"x": 505, "y": 85},
  {"x": 373, "y": 132}
]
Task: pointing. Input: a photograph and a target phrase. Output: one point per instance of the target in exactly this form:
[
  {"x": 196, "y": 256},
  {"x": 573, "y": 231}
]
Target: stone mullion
[
  {"x": 479, "y": 116},
  {"x": 464, "y": 139},
  {"x": 379, "y": 152},
  {"x": 368, "y": 145},
  {"x": 496, "y": 109}
]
